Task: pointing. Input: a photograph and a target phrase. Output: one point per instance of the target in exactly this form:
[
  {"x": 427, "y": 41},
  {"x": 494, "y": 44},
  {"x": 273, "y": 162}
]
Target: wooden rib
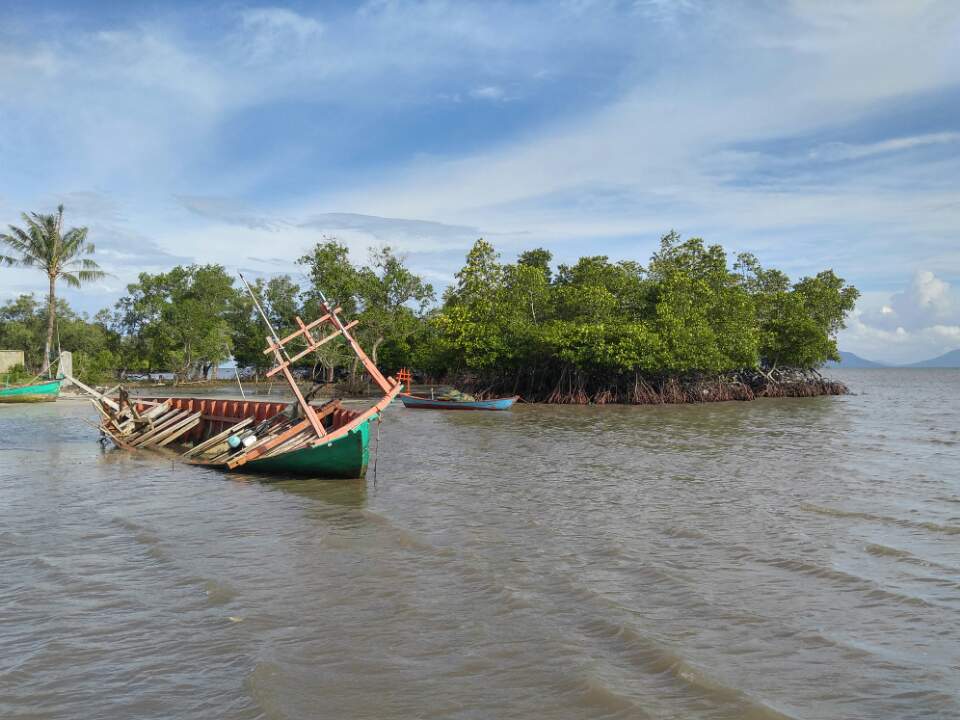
[
  {"x": 175, "y": 429},
  {"x": 167, "y": 420},
  {"x": 156, "y": 410},
  {"x": 156, "y": 421},
  {"x": 256, "y": 452},
  {"x": 219, "y": 437},
  {"x": 105, "y": 418},
  {"x": 235, "y": 452},
  {"x": 326, "y": 409},
  {"x": 191, "y": 423},
  {"x": 293, "y": 444},
  {"x": 164, "y": 421},
  {"x": 308, "y": 326}
]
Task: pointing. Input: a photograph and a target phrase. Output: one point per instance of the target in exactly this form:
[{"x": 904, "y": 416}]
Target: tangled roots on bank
[{"x": 572, "y": 388}]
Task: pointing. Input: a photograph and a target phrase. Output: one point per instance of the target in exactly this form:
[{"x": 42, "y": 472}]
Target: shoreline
[{"x": 741, "y": 386}]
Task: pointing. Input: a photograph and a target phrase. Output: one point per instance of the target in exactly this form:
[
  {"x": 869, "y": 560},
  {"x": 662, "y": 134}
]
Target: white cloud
[
  {"x": 852, "y": 151},
  {"x": 488, "y": 92},
  {"x": 917, "y": 323},
  {"x": 663, "y": 133},
  {"x": 928, "y": 301}
]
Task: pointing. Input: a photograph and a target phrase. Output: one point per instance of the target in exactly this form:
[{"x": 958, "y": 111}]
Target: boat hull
[
  {"x": 423, "y": 403},
  {"x": 40, "y": 392},
  {"x": 343, "y": 458}
]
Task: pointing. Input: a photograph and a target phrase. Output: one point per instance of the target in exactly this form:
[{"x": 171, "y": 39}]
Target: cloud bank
[{"x": 812, "y": 135}]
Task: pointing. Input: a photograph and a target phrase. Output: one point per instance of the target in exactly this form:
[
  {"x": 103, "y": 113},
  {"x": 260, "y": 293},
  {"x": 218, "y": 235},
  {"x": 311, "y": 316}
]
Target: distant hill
[
  {"x": 947, "y": 360},
  {"x": 849, "y": 360}
]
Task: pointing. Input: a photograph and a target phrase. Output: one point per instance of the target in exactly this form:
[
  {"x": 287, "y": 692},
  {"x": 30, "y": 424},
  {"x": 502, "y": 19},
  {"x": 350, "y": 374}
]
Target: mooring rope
[{"x": 376, "y": 453}]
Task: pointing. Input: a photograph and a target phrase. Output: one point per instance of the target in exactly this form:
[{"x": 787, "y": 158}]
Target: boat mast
[
  {"x": 371, "y": 368},
  {"x": 284, "y": 362}
]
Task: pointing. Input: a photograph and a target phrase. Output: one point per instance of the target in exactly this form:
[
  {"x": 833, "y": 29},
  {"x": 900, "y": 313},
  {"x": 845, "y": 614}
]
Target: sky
[{"x": 814, "y": 134}]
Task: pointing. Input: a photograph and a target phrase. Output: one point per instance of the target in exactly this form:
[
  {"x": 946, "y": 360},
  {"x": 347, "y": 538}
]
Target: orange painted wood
[
  {"x": 310, "y": 349},
  {"x": 271, "y": 347},
  {"x": 273, "y": 442}
]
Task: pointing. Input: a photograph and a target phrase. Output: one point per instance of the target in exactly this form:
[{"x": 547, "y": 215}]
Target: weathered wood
[
  {"x": 168, "y": 420},
  {"x": 270, "y": 432},
  {"x": 218, "y": 438},
  {"x": 170, "y": 428},
  {"x": 105, "y": 418},
  {"x": 385, "y": 384},
  {"x": 313, "y": 346},
  {"x": 297, "y": 333},
  {"x": 93, "y": 393},
  {"x": 295, "y": 443},
  {"x": 256, "y": 452},
  {"x": 189, "y": 424}
]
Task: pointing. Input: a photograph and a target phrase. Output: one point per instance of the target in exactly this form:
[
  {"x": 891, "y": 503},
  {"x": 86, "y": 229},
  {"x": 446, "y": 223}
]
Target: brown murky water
[{"x": 791, "y": 558}]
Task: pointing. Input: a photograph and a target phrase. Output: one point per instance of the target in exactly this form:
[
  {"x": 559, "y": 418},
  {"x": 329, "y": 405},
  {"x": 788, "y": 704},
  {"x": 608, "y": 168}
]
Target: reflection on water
[{"x": 788, "y": 558}]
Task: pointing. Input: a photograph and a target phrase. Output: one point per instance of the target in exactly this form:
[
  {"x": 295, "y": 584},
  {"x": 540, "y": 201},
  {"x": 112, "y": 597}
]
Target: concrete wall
[{"x": 9, "y": 358}]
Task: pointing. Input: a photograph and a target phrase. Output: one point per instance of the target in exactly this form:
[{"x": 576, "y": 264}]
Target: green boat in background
[{"x": 45, "y": 391}]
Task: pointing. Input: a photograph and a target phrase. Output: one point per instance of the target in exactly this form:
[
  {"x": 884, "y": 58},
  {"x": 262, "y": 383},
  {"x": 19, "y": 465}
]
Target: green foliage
[
  {"x": 14, "y": 376},
  {"x": 537, "y": 258},
  {"x": 687, "y": 312},
  {"x": 280, "y": 299},
  {"x": 23, "y": 323},
  {"x": 387, "y": 299},
  {"x": 178, "y": 319},
  {"x": 60, "y": 255}
]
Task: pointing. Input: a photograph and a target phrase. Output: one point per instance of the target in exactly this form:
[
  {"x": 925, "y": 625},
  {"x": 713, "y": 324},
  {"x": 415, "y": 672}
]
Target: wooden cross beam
[
  {"x": 303, "y": 329},
  {"x": 385, "y": 384},
  {"x": 313, "y": 345}
]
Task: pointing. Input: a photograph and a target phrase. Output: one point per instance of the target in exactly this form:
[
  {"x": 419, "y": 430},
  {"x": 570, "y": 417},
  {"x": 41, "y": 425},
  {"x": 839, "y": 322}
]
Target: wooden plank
[
  {"x": 219, "y": 437},
  {"x": 156, "y": 411},
  {"x": 294, "y": 443},
  {"x": 271, "y": 431},
  {"x": 310, "y": 349},
  {"x": 105, "y": 418},
  {"x": 169, "y": 419},
  {"x": 388, "y": 385},
  {"x": 154, "y": 421},
  {"x": 187, "y": 425},
  {"x": 256, "y": 452},
  {"x": 93, "y": 393},
  {"x": 170, "y": 428},
  {"x": 308, "y": 326},
  {"x": 147, "y": 431}
]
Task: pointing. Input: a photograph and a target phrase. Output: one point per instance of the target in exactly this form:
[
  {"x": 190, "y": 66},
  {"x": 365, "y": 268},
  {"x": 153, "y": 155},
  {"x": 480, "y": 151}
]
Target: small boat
[
  {"x": 44, "y": 391},
  {"x": 297, "y": 438},
  {"x": 201, "y": 429},
  {"x": 422, "y": 402}
]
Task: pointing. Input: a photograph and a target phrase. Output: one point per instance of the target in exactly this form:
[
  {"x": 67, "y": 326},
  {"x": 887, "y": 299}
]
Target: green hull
[
  {"x": 41, "y": 392},
  {"x": 346, "y": 457}
]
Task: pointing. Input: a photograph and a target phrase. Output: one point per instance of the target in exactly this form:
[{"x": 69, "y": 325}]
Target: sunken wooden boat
[
  {"x": 422, "y": 402},
  {"x": 44, "y": 391},
  {"x": 297, "y": 438}
]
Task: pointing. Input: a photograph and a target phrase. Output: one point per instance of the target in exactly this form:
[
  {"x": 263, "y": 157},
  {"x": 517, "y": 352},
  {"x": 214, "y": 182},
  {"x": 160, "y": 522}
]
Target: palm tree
[{"x": 44, "y": 245}]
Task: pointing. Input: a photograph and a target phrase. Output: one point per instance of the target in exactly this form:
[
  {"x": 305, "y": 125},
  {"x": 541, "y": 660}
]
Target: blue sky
[{"x": 813, "y": 134}]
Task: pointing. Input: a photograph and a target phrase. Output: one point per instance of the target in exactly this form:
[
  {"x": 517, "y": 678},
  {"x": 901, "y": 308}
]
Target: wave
[{"x": 885, "y": 519}]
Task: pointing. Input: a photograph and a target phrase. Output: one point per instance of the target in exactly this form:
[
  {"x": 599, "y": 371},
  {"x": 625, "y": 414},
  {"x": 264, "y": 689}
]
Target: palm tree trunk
[{"x": 51, "y": 319}]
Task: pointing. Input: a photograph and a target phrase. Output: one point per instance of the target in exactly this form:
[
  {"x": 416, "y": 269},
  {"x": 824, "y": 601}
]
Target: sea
[{"x": 787, "y": 558}]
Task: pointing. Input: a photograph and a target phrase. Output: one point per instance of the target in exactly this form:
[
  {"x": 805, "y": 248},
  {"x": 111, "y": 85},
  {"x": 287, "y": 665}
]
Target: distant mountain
[
  {"x": 849, "y": 360},
  {"x": 947, "y": 360}
]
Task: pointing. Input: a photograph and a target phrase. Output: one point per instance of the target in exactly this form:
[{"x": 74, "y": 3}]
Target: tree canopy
[
  {"x": 43, "y": 244},
  {"x": 688, "y": 311},
  {"x": 595, "y": 323}
]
